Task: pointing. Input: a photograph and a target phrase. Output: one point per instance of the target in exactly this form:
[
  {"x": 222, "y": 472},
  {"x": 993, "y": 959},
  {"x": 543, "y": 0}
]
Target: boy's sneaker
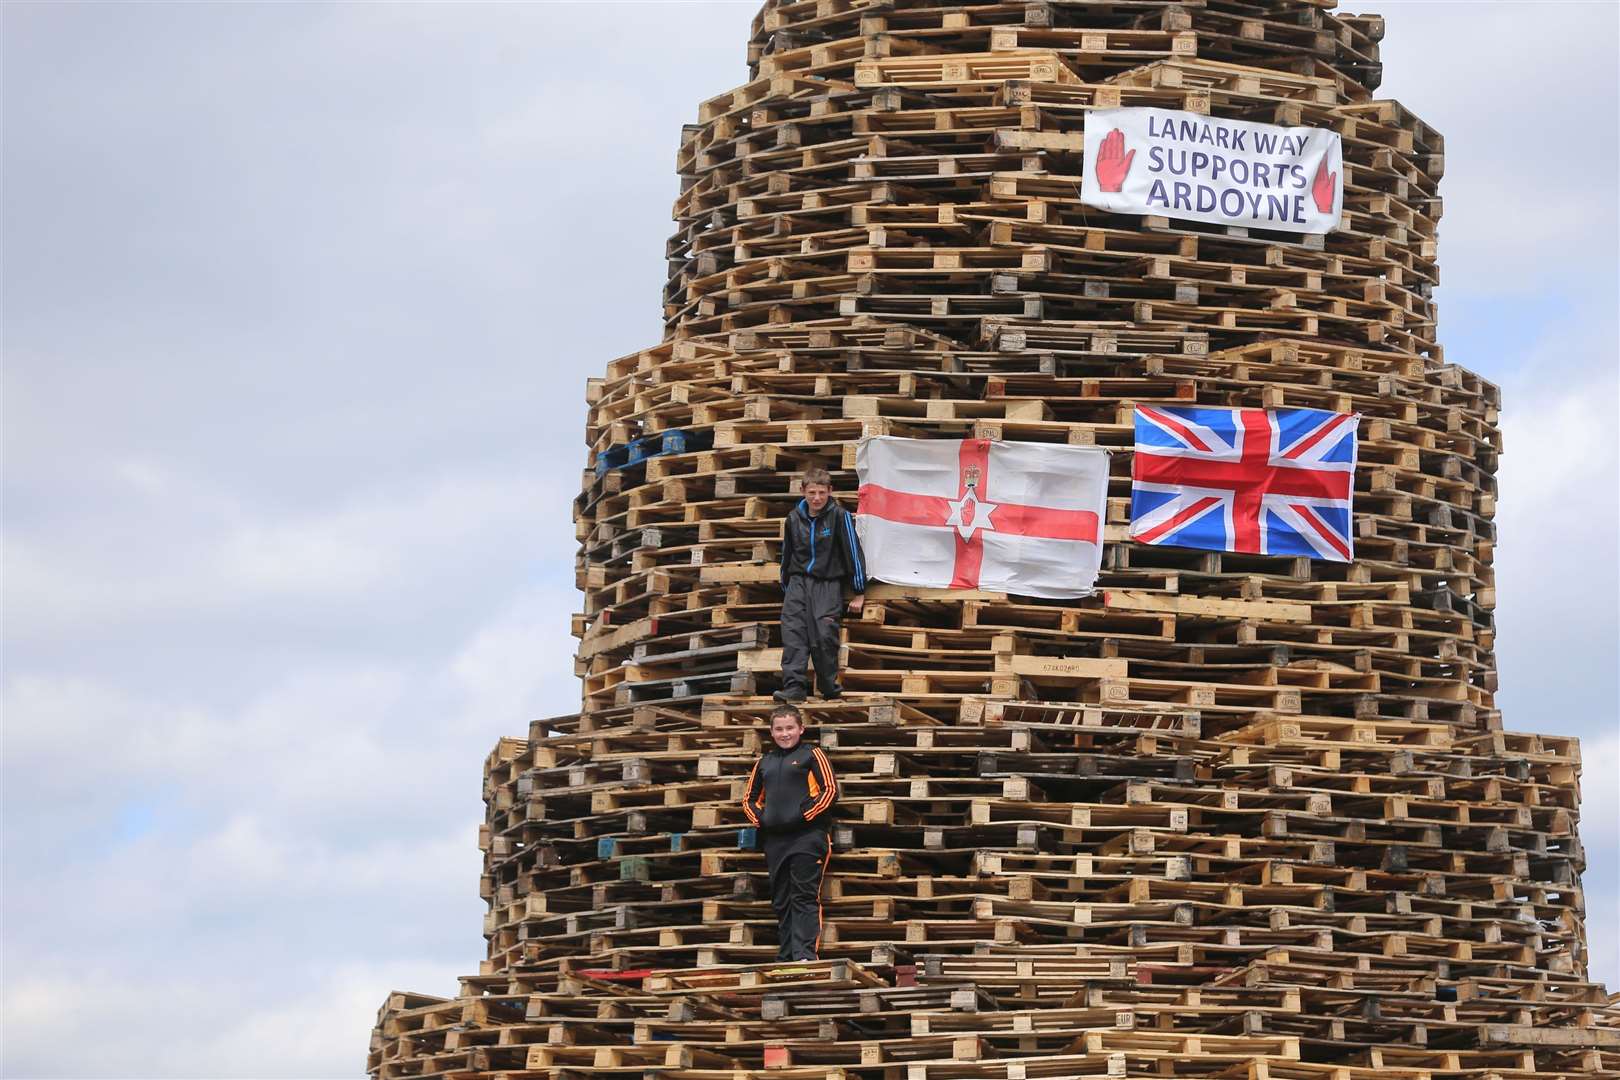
[{"x": 788, "y": 697}]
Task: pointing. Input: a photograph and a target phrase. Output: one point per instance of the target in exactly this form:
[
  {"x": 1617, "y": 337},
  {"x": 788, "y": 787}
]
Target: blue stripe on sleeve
[{"x": 855, "y": 551}]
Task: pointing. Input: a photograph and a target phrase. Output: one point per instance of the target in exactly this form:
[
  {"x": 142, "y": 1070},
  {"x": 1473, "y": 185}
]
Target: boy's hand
[{"x": 856, "y": 604}]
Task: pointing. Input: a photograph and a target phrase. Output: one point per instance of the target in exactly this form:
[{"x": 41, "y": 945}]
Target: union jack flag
[{"x": 1264, "y": 481}]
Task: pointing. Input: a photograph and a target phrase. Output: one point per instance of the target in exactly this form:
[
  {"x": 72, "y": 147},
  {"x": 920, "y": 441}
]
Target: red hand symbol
[
  {"x": 1322, "y": 188},
  {"x": 1112, "y": 161}
]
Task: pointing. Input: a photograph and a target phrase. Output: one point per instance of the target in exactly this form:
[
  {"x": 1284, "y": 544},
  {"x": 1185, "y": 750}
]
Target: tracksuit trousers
[
  {"x": 796, "y": 899},
  {"x": 812, "y": 613}
]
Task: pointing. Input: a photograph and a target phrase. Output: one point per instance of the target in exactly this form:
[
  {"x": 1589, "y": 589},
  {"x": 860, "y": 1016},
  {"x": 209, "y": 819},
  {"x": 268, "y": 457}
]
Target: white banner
[
  {"x": 1203, "y": 168},
  {"x": 1023, "y": 518}
]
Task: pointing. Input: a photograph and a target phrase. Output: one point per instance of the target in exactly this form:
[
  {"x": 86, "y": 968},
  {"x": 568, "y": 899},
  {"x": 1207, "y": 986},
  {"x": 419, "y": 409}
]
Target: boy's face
[
  {"x": 786, "y": 731},
  {"x": 816, "y": 496}
]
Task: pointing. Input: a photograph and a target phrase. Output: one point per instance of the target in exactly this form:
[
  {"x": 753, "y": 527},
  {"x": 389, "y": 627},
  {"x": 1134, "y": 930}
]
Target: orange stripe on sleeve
[
  {"x": 830, "y": 777},
  {"x": 829, "y": 790},
  {"x": 748, "y": 792}
]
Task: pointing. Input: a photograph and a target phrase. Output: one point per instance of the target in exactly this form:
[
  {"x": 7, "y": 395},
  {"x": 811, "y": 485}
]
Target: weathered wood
[{"x": 1235, "y": 815}]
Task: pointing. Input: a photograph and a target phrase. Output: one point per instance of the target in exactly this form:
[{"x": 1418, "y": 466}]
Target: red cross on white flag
[{"x": 1022, "y": 518}]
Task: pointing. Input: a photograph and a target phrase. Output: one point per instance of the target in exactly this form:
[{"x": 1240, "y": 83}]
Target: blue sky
[{"x": 299, "y": 303}]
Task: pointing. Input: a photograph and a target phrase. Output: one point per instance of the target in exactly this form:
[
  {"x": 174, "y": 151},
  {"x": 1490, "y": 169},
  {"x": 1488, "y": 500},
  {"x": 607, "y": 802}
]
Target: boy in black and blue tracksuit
[{"x": 821, "y": 551}]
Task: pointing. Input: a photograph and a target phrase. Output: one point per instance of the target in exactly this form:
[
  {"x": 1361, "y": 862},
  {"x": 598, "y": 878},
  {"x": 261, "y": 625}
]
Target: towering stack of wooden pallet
[{"x": 1235, "y": 815}]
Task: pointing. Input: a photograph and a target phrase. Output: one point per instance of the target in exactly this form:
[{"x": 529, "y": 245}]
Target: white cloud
[
  {"x": 520, "y": 665},
  {"x": 316, "y": 742},
  {"x": 145, "y": 477},
  {"x": 216, "y": 554},
  {"x": 1557, "y": 563},
  {"x": 311, "y": 848},
  {"x": 1600, "y": 795},
  {"x": 1543, "y": 160},
  {"x": 308, "y": 1029}
]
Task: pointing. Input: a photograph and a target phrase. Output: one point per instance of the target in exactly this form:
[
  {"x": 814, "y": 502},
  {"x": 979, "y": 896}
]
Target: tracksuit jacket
[
  {"x": 789, "y": 799},
  {"x": 825, "y": 546}
]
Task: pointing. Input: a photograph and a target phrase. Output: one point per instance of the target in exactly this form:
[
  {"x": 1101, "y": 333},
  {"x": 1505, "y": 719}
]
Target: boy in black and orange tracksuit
[{"x": 789, "y": 799}]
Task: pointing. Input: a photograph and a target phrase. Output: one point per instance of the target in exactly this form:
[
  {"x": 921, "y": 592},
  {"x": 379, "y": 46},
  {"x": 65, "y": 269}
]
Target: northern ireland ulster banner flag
[
  {"x": 1012, "y": 517},
  {"x": 1265, "y": 481}
]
